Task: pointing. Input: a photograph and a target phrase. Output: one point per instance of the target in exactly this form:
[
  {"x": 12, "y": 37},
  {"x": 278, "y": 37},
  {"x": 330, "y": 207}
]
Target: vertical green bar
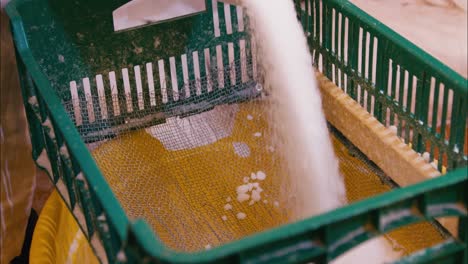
[
  {"x": 222, "y": 19},
  {"x": 237, "y": 61},
  {"x": 327, "y": 20},
  {"x": 363, "y": 64},
  {"x": 444, "y": 114},
  {"x": 435, "y": 107},
  {"x": 301, "y": 13},
  {"x": 363, "y": 53},
  {"x": 108, "y": 95},
  {"x": 371, "y": 58},
  {"x": 353, "y": 37},
  {"x": 408, "y": 107},
  {"x": 312, "y": 19},
  {"x": 381, "y": 80},
  {"x": 342, "y": 59},
  {"x": 145, "y": 89},
  {"x": 458, "y": 129},
  {"x": 317, "y": 20},
  {"x": 335, "y": 48},
  {"x": 393, "y": 89},
  {"x": 308, "y": 29},
  {"x": 234, "y": 19},
  {"x": 133, "y": 90},
  {"x": 203, "y": 73},
  {"x": 371, "y": 92},
  {"x": 422, "y": 94},
  {"x": 401, "y": 98}
]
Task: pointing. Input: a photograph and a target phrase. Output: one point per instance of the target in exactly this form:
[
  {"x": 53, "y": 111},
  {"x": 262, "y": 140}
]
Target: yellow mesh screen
[{"x": 182, "y": 193}]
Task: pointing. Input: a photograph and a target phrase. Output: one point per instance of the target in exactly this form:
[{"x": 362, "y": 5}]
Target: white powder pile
[{"x": 299, "y": 125}]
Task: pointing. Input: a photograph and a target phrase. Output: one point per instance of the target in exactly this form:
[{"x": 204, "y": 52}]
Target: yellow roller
[{"x": 57, "y": 237}]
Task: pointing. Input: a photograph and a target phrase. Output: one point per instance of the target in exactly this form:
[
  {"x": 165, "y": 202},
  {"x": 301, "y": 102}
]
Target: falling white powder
[
  {"x": 227, "y": 207},
  {"x": 299, "y": 126},
  {"x": 241, "y": 149},
  {"x": 296, "y": 107},
  {"x": 241, "y": 215}
]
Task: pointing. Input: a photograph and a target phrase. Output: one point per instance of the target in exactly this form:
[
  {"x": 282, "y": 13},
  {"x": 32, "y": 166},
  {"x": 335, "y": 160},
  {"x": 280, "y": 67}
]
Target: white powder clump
[
  {"x": 261, "y": 175},
  {"x": 228, "y": 207},
  {"x": 249, "y": 117},
  {"x": 242, "y": 188},
  {"x": 242, "y": 197},
  {"x": 253, "y": 176},
  {"x": 426, "y": 156},
  {"x": 241, "y": 215},
  {"x": 224, "y": 218},
  {"x": 207, "y": 247},
  {"x": 246, "y": 179},
  {"x": 276, "y": 203},
  {"x": 257, "y": 134},
  {"x": 256, "y": 196},
  {"x": 394, "y": 129}
]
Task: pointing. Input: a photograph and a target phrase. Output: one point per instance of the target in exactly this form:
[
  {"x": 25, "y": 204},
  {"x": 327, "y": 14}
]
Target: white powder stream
[
  {"x": 296, "y": 114},
  {"x": 298, "y": 123}
]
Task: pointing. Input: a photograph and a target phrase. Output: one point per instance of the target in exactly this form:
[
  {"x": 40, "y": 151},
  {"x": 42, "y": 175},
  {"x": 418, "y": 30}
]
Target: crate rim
[{"x": 146, "y": 235}]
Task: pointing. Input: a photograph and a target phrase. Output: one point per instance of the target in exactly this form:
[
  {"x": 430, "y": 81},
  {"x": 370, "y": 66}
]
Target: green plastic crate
[{"x": 62, "y": 41}]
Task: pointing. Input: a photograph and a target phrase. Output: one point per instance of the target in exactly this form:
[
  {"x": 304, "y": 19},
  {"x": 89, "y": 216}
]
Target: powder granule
[
  {"x": 242, "y": 197},
  {"x": 261, "y": 175},
  {"x": 228, "y": 207},
  {"x": 241, "y": 215}
]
